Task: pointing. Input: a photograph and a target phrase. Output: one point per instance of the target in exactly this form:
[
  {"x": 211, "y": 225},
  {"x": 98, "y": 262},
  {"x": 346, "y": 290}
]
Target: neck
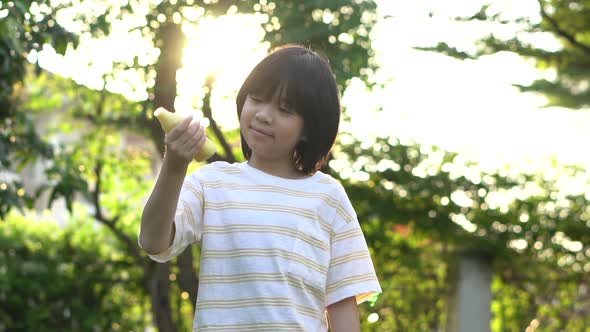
[{"x": 276, "y": 168}]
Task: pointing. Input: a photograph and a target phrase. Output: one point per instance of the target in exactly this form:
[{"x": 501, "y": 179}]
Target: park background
[{"x": 465, "y": 135}]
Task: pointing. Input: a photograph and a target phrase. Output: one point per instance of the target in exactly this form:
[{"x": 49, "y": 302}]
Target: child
[{"x": 281, "y": 247}]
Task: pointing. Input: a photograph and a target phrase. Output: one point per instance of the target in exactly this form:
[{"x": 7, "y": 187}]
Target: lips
[{"x": 261, "y": 131}]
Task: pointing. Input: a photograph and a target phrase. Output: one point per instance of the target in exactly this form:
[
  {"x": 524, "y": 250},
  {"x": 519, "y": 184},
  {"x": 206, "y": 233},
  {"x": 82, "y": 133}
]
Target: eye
[
  {"x": 255, "y": 98},
  {"x": 286, "y": 108}
]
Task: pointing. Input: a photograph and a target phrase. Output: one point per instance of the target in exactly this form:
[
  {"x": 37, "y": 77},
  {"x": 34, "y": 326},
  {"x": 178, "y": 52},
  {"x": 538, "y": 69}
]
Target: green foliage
[
  {"x": 66, "y": 279},
  {"x": 92, "y": 164},
  {"x": 339, "y": 29},
  {"x": 25, "y": 27},
  {"x": 544, "y": 297},
  {"x": 106, "y": 118},
  {"x": 20, "y": 145},
  {"x": 406, "y": 205},
  {"x": 412, "y": 273},
  {"x": 567, "y": 22},
  {"x": 418, "y": 207}
]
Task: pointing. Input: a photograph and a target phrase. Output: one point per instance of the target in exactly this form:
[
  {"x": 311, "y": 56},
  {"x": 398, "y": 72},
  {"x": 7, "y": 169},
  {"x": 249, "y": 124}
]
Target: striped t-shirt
[{"x": 275, "y": 252}]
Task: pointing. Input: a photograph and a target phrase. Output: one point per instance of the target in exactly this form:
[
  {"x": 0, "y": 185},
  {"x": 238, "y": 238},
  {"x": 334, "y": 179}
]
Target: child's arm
[
  {"x": 157, "y": 220},
  {"x": 343, "y": 316}
]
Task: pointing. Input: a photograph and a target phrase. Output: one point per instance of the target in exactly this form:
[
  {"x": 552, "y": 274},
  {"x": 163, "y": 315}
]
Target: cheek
[
  {"x": 299, "y": 125},
  {"x": 247, "y": 111},
  {"x": 245, "y": 119},
  {"x": 295, "y": 130},
  {"x": 243, "y": 123},
  {"x": 244, "y": 115}
]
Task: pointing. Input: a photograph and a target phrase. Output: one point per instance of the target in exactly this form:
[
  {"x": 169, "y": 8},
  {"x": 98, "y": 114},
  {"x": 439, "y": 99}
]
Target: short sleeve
[
  {"x": 351, "y": 271},
  {"x": 188, "y": 219}
]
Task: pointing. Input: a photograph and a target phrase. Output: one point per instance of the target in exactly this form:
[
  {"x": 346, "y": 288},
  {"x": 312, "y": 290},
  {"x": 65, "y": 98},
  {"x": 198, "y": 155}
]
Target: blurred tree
[
  {"x": 419, "y": 206},
  {"x": 25, "y": 27},
  {"x": 75, "y": 278},
  {"x": 85, "y": 169},
  {"x": 567, "y": 21},
  {"x": 415, "y": 208}
]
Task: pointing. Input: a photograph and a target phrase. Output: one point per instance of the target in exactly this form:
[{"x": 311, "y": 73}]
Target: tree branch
[
  {"x": 187, "y": 276},
  {"x": 111, "y": 223},
  {"x": 229, "y": 155},
  {"x": 561, "y": 32},
  {"x": 126, "y": 122}
]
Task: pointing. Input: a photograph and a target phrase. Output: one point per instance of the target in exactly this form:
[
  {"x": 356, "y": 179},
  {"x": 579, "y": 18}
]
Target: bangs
[
  {"x": 306, "y": 84},
  {"x": 284, "y": 75}
]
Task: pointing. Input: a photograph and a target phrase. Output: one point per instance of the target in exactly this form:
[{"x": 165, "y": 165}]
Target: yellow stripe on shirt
[
  {"x": 274, "y": 189},
  {"x": 347, "y": 235},
  {"x": 248, "y": 228},
  {"x": 256, "y": 302},
  {"x": 310, "y": 215},
  {"x": 259, "y": 327},
  {"x": 271, "y": 252},
  {"x": 294, "y": 281},
  {"x": 351, "y": 280},
  {"x": 349, "y": 258}
]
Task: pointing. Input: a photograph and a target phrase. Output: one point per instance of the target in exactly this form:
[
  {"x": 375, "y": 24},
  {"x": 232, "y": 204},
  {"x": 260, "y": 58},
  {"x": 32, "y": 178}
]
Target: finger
[
  {"x": 180, "y": 128},
  {"x": 198, "y": 143},
  {"x": 190, "y": 134},
  {"x": 194, "y": 137},
  {"x": 201, "y": 140},
  {"x": 175, "y": 136}
]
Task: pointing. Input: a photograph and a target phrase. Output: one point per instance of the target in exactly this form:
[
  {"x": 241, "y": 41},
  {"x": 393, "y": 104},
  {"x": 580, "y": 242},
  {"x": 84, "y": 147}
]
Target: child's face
[{"x": 271, "y": 129}]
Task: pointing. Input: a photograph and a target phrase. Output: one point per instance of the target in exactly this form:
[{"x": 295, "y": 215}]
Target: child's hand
[{"x": 183, "y": 142}]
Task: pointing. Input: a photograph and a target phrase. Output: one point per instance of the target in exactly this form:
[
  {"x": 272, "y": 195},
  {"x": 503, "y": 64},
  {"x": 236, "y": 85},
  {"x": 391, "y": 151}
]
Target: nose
[{"x": 264, "y": 114}]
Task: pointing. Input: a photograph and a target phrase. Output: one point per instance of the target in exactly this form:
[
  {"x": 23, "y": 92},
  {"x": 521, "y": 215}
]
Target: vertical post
[{"x": 471, "y": 296}]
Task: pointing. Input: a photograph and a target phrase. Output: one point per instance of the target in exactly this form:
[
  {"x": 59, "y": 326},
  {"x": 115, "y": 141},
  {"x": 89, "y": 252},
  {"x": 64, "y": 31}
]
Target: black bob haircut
[{"x": 308, "y": 85}]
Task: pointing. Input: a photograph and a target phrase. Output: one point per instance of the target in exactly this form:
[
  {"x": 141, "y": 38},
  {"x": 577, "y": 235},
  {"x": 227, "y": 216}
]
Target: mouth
[{"x": 261, "y": 131}]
